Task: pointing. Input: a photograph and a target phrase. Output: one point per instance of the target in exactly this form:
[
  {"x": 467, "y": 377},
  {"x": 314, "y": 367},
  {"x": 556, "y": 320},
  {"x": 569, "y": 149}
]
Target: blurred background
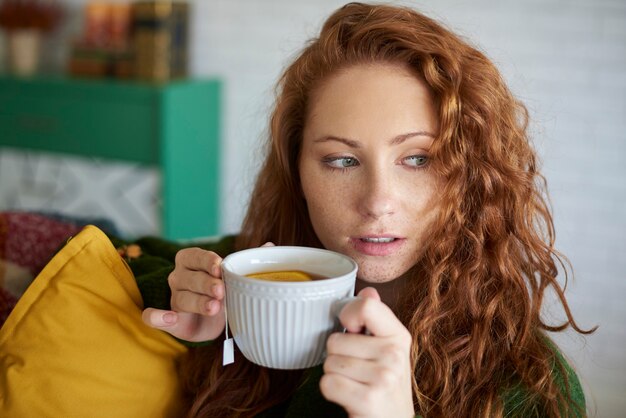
[{"x": 566, "y": 59}]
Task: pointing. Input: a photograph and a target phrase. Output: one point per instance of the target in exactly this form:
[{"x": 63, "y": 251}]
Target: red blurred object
[
  {"x": 96, "y": 23},
  {"x": 119, "y": 25},
  {"x": 106, "y": 24},
  {"x": 103, "y": 49},
  {"x": 43, "y": 15}
]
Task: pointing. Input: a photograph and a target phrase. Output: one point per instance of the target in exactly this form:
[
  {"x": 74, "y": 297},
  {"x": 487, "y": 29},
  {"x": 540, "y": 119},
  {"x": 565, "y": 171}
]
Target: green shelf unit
[{"x": 174, "y": 126}]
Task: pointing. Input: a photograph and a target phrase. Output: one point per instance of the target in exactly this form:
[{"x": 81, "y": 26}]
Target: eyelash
[{"x": 329, "y": 160}]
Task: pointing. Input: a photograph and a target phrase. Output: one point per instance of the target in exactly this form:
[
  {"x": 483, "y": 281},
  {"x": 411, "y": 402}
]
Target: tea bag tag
[
  {"x": 228, "y": 356},
  {"x": 229, "y": 352}
]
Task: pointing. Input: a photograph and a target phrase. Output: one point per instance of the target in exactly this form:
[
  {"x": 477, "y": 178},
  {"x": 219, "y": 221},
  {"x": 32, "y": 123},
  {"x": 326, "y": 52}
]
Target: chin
[{"x": 380, "y": 272}]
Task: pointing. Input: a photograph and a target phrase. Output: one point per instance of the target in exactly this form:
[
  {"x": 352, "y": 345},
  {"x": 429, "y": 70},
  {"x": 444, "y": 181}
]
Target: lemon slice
[{"x": 282, "y": 276}]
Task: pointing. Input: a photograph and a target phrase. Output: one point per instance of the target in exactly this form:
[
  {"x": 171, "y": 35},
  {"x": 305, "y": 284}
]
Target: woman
[{"x": 395, "y": 142}]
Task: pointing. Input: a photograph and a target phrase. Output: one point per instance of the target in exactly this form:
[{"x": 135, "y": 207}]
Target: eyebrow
[{"x": 396, "y": 140}]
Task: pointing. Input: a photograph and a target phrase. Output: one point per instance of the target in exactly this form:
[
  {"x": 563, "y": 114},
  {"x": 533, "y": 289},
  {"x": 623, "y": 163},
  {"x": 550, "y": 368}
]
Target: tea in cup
[{"x": 282, "y": 302}]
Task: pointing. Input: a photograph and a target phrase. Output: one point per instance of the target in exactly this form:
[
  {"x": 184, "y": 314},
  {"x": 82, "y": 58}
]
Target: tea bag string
[{"x": 225, "y": 320}]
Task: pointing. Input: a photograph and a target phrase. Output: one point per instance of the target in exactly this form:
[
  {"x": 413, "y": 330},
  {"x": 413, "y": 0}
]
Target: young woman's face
[{"x": 364, "y": 167}]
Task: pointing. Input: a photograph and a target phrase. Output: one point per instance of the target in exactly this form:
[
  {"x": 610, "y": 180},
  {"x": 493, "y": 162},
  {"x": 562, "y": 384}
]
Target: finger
[
  {"x": 343, "y": 391},
  {"x": 186, "y": 326},
  {"x": 369, "y": 292},
  {"x": 192, "y": 327},
  {"x": 363, "y": 371},
  {"x": 197, "y": 282},
  {"x": 199, "y": 259},
  {"x": 372, "y": 373},
  {"x": 373, "y": 315},
  {"x": 268, "y": 244},
  {"x": 159, "y": 318},
  {"x": 191, "y": 302},
  {"x": 366, "y": 347},
  {"x": 355, "y": 345}
]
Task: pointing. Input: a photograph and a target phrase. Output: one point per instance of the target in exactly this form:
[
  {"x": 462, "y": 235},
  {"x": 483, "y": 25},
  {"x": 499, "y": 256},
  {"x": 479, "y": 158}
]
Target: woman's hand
[
  {"x": 369, "y": 375},
  {"x": 197, "y": 298}
]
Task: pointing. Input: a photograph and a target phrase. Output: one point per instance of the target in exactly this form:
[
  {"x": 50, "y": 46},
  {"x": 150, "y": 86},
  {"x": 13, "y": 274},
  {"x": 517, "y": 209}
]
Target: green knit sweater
[{"x": 157, "y": 261}]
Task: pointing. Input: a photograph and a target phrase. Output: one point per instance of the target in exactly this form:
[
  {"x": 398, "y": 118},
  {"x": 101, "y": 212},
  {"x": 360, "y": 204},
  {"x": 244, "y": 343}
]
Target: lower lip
[{"x": 378, "y": 249}]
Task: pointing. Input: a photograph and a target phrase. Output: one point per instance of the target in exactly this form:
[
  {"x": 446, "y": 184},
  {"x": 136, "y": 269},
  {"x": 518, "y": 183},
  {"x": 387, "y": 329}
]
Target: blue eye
[
  {"x": 416, "y": 160},
  {"x": 341, "y": 162}
]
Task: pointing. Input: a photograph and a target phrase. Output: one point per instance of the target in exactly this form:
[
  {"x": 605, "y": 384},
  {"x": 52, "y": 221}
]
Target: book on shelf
[{"x": 160, "y": 39}]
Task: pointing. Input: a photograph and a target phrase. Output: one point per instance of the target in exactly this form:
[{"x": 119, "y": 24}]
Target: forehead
[{"x": 371, "y": 98}]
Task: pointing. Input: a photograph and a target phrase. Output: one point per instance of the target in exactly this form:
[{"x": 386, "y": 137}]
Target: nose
[{"x": 377, "y": 198}]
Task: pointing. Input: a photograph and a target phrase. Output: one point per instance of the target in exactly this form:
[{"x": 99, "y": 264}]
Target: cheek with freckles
[{"x": 329, "y": 213}]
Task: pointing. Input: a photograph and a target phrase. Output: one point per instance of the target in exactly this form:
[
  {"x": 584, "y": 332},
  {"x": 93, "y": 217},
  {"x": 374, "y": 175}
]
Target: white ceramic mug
[{"x": 284, "y": 325}]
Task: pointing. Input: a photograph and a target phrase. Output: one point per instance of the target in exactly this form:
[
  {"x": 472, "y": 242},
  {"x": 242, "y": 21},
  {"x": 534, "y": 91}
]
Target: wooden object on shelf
[{"x": 174, "y": 126}]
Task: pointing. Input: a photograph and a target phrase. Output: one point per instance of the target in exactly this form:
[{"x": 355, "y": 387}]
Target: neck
[{"x": 390, "y": 292}]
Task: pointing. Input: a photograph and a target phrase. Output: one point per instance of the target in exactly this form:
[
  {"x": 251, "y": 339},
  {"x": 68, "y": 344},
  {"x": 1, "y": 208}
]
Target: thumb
[
  {"x": 369, "y": 292},
  {"x": 158, "y": 318},
  {"x": 268, "y": 244}
]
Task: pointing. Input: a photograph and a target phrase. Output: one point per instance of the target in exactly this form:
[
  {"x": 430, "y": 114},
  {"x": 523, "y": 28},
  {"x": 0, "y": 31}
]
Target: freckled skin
[{"x": 380, "y": 192}]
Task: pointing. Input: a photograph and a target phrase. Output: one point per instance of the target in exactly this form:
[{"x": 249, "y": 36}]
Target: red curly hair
[{"x": 475, "y": 312}]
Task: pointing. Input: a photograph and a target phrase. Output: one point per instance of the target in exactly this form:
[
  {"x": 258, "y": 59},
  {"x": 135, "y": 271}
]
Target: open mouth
[
  {"x": 378, "y": 240},
  {"x": 377, "y": 246}
]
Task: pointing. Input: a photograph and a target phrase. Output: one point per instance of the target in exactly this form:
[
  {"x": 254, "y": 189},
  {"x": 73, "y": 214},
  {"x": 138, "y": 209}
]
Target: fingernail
[
  {"x": 217, "y": 291},
  {"x": 216, "y": 271},
  {"x": 169, "y": 318},
  {"x": 209, "y": 305}
]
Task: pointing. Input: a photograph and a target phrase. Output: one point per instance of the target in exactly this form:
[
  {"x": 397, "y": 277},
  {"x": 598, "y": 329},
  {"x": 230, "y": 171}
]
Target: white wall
[{"x": 565, "y": 58}]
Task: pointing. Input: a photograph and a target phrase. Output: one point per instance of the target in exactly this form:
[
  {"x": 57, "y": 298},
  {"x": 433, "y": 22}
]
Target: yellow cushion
[{"x": 75, "y": 345}]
